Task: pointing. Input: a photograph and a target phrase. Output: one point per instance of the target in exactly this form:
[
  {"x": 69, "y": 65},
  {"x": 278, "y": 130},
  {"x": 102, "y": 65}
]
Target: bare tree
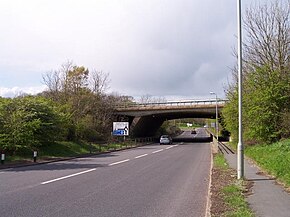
[
  {"x": 268, "y": 36},
  {"x": 99, "y": 81},
  {"x": 150, "y": 99}
]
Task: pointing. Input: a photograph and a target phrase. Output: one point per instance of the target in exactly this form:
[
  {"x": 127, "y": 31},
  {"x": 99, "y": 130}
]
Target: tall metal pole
[
  {"x": 216, "y": 116},
  {"x": 240, "y": 157}
]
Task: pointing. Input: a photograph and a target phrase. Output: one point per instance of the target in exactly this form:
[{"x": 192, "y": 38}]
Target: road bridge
[{"x": 146, "y": 118}]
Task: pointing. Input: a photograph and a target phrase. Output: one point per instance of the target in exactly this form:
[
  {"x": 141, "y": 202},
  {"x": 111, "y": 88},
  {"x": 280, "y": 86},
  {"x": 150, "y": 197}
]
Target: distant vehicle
[
  {"x": 165, "y": 139},
  {"x": 193, "y": 132}
]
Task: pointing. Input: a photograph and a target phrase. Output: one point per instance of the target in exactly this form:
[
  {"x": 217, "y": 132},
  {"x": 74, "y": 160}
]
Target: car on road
[{"x": 165, "y": 139}]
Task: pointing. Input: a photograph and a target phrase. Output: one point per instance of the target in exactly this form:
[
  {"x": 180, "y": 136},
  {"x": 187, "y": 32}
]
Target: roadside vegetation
[
  {"x": 266, "y": 77},
  {"x": 274, "y": 159},
  {"x": 66, "y": 149},
  {"x": 227, "y": 194},
  {"x": 266, "y": 89},
  {"x": 266, "y": 99},
  {"x": 73, "y": 110}
]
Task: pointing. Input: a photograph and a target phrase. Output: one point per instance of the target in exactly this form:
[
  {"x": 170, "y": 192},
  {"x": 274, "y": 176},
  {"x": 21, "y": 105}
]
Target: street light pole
[
  {"x": 240, "y": 157},
  {"x": 216, "y": 116}
]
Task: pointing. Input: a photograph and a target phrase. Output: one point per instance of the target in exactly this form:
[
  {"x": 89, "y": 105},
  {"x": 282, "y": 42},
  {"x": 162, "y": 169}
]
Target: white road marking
[
  {"x": 69, "y": 176},
  {"x": 169, "y": 147},
  {"x": 157, "y": 151},
  {"x": 143, "y": 155},
  {"x": 119, "y": 162}
]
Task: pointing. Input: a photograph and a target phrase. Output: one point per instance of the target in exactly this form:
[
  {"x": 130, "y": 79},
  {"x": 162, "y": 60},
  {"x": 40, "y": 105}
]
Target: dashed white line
[
  {"x": 157, "y": 151},
  {"x": 119, "y": 162},
  {"x": 143, "y": 155},
  {"x": 169, "y": 147},
  {"x": 69, "y": 176}
]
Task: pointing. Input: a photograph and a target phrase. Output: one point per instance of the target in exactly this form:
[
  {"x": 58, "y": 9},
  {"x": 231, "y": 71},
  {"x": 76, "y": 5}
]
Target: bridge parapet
[{"x": 183, "y": 103}]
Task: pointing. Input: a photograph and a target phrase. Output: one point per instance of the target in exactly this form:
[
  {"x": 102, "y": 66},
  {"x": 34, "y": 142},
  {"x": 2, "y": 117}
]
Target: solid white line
[
  {"x": 143, "y": 155},
  {"x": 119, "y": 162},
  {"x": 169, "y": 147},
  {"x": 157, "y": 151},
  {"x": 69, "y": 176}
]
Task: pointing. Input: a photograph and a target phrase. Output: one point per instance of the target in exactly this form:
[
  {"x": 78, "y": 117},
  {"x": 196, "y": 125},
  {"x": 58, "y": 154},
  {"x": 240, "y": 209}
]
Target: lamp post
[
  {"x": 216, "y": 116},
  {"x": 240, "y": 148}
]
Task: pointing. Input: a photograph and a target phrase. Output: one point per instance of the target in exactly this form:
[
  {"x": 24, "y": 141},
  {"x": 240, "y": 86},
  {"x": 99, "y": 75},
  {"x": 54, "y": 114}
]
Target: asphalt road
[{"x": 153, "y": 180}]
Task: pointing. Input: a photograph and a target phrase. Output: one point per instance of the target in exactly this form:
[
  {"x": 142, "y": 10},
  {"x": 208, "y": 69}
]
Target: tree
[
  {"x": 266, "y": 75},
  {"x": 267, "y": 41},
  {"x": 29, "y": 122},
  {"x": 150, "y": 99},
  {"x": 83, "y": 93}
]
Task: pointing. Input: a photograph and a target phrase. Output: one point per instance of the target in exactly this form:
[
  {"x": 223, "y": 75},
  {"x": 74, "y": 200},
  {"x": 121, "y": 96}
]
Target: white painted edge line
[
  {"x": 69, "y": 176},
  {"x": 157, "y": 151},
  {"x": 208, "y": 200},
  {"x": 119, "y": 162},
  {"x": 143, "y": 155}
]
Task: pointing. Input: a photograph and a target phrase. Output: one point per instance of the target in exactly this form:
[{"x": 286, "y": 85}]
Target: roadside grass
[
  {"x": 233, "y": 196},
  {"x": 65, "y": 149},
  {"x": 273, "y": 158},
  {"x": 220, "y": 162},
  {"x": 232, "y": 193}
]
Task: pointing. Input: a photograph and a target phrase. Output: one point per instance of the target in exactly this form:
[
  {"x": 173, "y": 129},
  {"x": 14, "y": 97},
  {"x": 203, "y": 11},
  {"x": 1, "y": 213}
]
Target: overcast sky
[{"x": 177, "y": 49}]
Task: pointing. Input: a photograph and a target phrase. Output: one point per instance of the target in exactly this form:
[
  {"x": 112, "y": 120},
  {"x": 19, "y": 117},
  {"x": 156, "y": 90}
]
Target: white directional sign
[{"x": 120, "y": 129}]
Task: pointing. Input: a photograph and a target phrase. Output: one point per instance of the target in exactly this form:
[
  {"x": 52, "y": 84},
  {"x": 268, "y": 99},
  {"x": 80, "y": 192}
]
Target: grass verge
[
  {"x": 64, "y": 149},
  {"x": 273, "y": 158},
  {"x": 227, "y": 194}
]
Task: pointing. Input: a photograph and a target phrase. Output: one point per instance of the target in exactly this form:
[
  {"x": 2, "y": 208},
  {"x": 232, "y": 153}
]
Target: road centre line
[
  {"x": 143, "y": 155},
  {"x": 69, "y": 176},
  {"x": 90, "y": 170},
  {"x": 157, "y": 151},
  {"x": 119, "y": 162}
]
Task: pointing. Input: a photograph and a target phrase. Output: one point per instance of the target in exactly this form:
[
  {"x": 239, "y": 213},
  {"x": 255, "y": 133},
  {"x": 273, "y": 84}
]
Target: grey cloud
[{"x": 157, "y": 47}]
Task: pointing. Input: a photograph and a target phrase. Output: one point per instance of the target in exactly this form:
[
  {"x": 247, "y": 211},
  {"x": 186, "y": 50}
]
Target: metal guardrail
[{"x": 173, "y": 103}]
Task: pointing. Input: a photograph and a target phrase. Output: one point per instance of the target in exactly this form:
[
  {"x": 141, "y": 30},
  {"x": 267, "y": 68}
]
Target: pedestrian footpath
[{"x": 268, "y": 199}]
